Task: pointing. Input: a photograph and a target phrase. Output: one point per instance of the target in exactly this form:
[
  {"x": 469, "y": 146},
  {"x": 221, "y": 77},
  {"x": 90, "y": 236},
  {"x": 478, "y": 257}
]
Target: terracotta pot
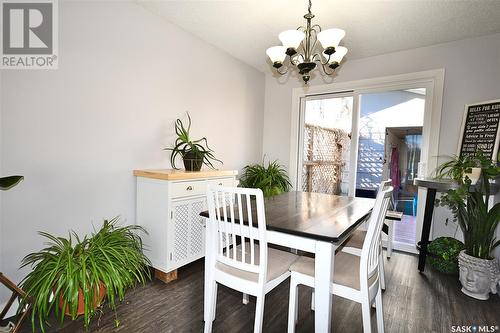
[
  {"x": 478, "y": 276},
  {"x": 81, "y": 305}
]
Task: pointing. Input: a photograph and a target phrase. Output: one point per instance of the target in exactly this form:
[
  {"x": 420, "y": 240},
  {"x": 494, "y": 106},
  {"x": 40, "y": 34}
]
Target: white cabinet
[{"x": 168, "y": 207}]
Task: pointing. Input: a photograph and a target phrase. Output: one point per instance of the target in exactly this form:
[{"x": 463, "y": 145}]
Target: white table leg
[{"x": 323, "y": 269}]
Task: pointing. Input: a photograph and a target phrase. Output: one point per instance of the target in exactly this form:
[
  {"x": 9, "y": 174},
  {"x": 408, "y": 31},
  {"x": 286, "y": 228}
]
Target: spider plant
[
  {"x": 6, "y": 183},
  {"x": 272, "y": 180},
  {"x": 193, "y": 152},
  {"x": 469, "y": 206},
  {"x": 69, "y": 269}
]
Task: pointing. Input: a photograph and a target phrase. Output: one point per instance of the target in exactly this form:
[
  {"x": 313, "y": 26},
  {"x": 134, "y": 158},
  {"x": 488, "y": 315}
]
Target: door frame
[{"x": 432, "y": 80}]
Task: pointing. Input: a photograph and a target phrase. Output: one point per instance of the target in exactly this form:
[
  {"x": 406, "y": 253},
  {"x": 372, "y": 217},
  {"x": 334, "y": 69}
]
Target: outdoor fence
[{"x": 325, "y": 150}]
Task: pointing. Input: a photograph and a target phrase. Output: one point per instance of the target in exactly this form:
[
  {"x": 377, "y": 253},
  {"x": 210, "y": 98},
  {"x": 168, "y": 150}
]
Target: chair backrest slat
[
  {"x": 370, "y": 253},
  {"x": 250, "y": 223},
  {"x": 232, "y": 216},
  {"x": 242, "y": 233}
]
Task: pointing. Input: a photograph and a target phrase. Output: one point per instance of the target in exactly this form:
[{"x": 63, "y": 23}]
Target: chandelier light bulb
[
  {"x": 277, "y": 54},
  {"x": 339, "y": 54},
  {"x": 330, "y": 38},
  {"x": 291, "y": 40}
]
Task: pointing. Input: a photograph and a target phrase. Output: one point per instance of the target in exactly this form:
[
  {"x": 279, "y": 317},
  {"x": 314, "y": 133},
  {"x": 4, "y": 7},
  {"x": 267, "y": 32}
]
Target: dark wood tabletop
[{"x": 319, "y": 216}]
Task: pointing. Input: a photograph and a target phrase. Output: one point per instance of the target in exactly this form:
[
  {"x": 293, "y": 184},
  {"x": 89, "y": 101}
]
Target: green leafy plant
[
  {"x": 72, "y": 268},
  {"x": 189, "y": 149},
  {"x": 6, "y": 183},
  {"x": 444, "y": 254},
  {"x": 469, "y": 205},
  {"x": 272, "y": 180}
]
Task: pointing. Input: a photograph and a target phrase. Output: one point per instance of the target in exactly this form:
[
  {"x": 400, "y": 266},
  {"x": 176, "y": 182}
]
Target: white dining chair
[
  {"x": 355, "y": 277},
  {"x": 355, "y": 242},
  {"x": 240, "y": 258}
]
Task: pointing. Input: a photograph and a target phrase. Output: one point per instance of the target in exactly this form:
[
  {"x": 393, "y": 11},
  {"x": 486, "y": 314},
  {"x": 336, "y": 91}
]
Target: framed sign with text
[{"x": 480, "y": 129}]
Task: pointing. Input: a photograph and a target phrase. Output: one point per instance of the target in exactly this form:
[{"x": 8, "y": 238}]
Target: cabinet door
[{"x": 187, "y": 234}]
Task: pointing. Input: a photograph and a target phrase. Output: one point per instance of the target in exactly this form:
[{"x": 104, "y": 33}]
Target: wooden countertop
[{"x": 170, "y": 174}]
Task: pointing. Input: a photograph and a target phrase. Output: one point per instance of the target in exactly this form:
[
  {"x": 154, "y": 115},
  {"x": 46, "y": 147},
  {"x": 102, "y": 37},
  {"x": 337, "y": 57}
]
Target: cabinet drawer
[
  {"x": 226, "y": 182},
  {"x": 185, "y": 189}
]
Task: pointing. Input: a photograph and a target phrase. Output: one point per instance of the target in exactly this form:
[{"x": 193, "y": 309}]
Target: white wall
[
  {"x": 76, "y": 133},
  {"x": 472, "y": 74}
]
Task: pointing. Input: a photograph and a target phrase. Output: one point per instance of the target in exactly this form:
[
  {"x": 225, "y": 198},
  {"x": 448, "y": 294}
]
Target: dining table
[{"x": 311, "y": 222}]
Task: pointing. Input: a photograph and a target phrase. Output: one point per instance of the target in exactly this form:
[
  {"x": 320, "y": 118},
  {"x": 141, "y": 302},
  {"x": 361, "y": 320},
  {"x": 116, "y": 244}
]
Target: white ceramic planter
[
  {"x": 478, "y": 276},
  {"x": 473, "y": 175}
]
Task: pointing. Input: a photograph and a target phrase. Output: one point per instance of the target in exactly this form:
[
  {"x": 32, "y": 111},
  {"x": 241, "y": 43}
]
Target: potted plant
[
  {"x": 443, "y": 254},
  {"x": 194, "y": 154},
  {"x": 272, "y": 180},
  {"x": 479, "y": 270},
  {"x": 72, "y": 276},
  {"x": 6, "y": 183}
]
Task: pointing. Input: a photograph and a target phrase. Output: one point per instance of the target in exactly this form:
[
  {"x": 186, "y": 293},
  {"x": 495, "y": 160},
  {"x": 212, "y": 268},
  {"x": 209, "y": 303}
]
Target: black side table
[{"x": 433, "y": 186}]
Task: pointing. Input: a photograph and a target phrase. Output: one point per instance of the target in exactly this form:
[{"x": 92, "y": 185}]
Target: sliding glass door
[{"x": 349, "y": 142}]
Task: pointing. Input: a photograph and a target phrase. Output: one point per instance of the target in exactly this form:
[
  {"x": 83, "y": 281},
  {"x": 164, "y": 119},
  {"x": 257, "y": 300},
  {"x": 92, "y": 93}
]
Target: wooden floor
[{"x": 413, "y": 302}]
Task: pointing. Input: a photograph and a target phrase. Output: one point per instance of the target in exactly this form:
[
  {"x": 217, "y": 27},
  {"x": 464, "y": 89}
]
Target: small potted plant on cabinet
[
  {"x": 194, "y": 153},
  {"x": 479, "y": 269},
  {"x": 72, "y": 276}
]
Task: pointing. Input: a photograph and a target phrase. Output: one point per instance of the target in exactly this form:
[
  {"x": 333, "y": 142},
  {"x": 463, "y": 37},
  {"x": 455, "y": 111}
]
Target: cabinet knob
[
  {"x": 189, "y": 188},
  {"x": 220, "y": 184}
]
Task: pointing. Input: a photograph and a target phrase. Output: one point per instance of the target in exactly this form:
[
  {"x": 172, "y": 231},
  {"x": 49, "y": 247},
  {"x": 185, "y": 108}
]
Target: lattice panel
[
  {"x": 325, "y": 151},
  {"x": 181, "y": 232},
  {"x": 197, "y": 229}
]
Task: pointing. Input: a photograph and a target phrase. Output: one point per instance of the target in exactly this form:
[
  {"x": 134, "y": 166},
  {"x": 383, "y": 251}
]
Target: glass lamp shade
[
  {"x": 276, "y": 54},
  {"x": 339, "y": 54},
  {"x": 331, "y": 37},
  {"x": 291, "y": 38},
  {"x": 337, "y": 57}
]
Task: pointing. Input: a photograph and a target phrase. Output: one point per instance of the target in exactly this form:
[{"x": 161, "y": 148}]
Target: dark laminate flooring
[{"x": 413, "y": 302}]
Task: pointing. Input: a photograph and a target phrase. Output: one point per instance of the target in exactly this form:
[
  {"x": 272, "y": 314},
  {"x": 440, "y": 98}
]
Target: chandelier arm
[
  {"x": 318, "y": 56},
  {"x": 317, "y": 26},
  {"x": 326, "y": 71},
  {"x": 295, "y": 60},
  {"x": 301, "y": 28},
  {"x": 280, "y": 72}
]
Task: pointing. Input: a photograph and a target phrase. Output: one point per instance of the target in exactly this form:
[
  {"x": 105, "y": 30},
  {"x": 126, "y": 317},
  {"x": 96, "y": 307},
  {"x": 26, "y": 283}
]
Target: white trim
[{"x": 405, "y": 247}]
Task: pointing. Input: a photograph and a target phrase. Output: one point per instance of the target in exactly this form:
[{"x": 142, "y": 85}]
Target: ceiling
[{"x": 245, "y": 29}]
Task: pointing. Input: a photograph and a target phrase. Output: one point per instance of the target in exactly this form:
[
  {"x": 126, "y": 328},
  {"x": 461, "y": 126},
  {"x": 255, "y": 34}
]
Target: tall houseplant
[
  {"x": 271, "y": 179},
  {"x": 72, "y": 275},
  {"x": 194, "y": 153},
  {"x": 479, "y": 271}
]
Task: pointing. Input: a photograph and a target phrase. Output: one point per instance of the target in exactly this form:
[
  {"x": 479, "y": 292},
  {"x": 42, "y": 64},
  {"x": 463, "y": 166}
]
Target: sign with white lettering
[{"x": 480, "y": 129}]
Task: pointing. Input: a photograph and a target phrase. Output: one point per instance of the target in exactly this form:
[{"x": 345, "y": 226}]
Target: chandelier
[{"x": 301, "y": 47}]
